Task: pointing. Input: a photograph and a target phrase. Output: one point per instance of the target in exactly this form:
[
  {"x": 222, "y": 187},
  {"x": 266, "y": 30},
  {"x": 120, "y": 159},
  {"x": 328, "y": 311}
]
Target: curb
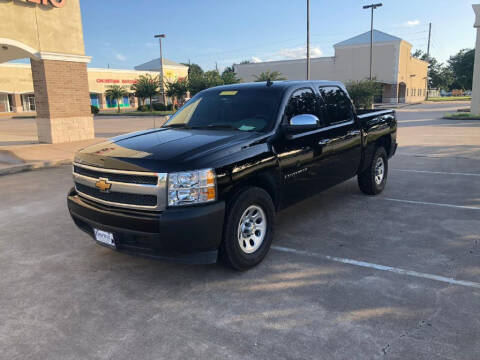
[
  {"x": 13, "y": 169},
  {"x": 460, "y": 118}
]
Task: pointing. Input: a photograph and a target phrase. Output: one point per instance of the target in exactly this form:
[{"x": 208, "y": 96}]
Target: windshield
[{"x": 244, "y": 109}]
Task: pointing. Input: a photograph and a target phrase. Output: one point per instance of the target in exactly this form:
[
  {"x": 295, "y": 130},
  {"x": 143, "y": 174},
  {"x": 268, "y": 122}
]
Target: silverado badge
[{"x": 103, "y": 185}]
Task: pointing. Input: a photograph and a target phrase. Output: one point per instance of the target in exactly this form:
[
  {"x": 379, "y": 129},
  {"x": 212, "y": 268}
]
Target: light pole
[
  {"x": 160, "y": 36},
  {"x": 373, "y": 7},
  {"x": 308, "y": 39}
]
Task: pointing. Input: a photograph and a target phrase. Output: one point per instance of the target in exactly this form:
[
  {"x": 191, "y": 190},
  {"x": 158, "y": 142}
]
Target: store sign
[
  {"x": 115, "y": 81},
  {"x": 54, "y": 3}
]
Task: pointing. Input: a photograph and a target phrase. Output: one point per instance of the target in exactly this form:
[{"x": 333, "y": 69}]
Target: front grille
[
  {"x": 126, "y": 178},
  {"x": 117, "y": 197},
  {"x": 127, "y": 189}
]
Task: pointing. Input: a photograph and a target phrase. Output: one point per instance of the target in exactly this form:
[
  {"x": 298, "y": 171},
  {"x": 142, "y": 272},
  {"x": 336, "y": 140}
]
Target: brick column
[
  {"x": 62, "y": 100},
  {"x": 17, "y": 103}
]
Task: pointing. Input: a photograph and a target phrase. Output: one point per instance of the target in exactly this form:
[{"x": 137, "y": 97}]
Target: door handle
[
  {"x": 354, "y": 132},
  {"x": 324, "y": 142}
]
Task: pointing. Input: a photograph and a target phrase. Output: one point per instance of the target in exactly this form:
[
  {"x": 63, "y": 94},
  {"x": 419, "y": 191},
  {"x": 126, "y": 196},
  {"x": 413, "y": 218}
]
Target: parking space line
[
  {"x": 395, "y": 270},
  {"x": 430, "y": 203},
  {"x": 436, "y": 172}
]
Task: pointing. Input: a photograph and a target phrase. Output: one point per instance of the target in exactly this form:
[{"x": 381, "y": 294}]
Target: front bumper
[{"x": 189, "y": 235}]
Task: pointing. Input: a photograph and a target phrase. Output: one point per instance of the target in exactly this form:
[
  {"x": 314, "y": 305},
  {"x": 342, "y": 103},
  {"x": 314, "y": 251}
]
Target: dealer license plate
[{"x": 104, "y": 237}]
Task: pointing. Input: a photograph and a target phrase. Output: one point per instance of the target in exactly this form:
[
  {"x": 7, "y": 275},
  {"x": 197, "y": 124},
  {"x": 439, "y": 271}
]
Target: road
[{"x": 350, "y": 277}]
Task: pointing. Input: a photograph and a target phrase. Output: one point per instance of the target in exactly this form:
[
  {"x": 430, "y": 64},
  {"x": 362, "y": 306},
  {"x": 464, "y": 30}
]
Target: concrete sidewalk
[
  {"x": 17, "y": 158},
  {"x": 20, "y": 150}
]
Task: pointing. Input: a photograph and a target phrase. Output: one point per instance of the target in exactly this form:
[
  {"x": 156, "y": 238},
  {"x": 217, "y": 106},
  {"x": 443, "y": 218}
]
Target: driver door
[{"x": 297, "y": 151}]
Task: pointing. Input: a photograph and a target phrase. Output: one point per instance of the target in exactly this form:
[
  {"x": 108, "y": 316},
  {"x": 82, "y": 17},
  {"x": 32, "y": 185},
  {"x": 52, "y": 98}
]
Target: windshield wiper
[
  {"x": 216, "y": 126},
  {"x": 182, "y": 126}
]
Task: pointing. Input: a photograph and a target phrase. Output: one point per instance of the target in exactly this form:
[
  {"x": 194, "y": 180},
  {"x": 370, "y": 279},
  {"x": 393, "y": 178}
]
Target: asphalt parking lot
[{"x": 349, "y": 277}]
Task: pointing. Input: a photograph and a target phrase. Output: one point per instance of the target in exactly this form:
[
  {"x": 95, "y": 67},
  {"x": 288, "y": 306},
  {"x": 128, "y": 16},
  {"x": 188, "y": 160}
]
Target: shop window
[
  {"x": 126, "y": 101},
  {"x": 111, "y": 103},
  {"x": 94, "y": 100},
  {"x": 10, "y": 102},
  {"x": 28, "y": 102}
]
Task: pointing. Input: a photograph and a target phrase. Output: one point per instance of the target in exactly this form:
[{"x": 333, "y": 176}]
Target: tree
[
  {"x": 362, "y": 92},
  {"x": 194, "y": 70},
  {"x": 439, "y": 76},
  {"x": 176, "y": 89},
  {"x": 147, "y": 86},
  {"x": 116, "y": 92},
  {"x": 269, "y": 76},
  {"x": 461, "y": 65},
  {"x": 245, "y": 62},
  {"x": 229, "y": 76},
  {"x": 212, "y": 78}
]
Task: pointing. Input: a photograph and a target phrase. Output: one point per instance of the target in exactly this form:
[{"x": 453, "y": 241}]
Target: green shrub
[
  {"x": 162, "y": 107},
  {"x": 94, "y": 109},
  {"x": 362, "y": 93}
]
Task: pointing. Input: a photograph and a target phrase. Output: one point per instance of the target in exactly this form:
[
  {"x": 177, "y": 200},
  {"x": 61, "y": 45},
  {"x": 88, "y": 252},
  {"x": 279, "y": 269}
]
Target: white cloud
[
  {"x": 298, "y": 52},
  {"x": 256, "y": 59},
  {"x": 120, "y": 57},
  {"x": 411, "y": 23}
]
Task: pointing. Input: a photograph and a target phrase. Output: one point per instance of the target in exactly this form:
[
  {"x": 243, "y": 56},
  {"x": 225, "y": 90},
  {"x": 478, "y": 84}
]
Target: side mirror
[{"x": 302, "y": 122}]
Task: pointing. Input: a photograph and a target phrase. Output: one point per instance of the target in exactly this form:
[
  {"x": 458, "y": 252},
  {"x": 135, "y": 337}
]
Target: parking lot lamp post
[
  {"x": 372, "y": 7},
  {"x": 162, "y": 86},
  {"x": 308, "y": 39},
  {"x": 475, "y": 107}
]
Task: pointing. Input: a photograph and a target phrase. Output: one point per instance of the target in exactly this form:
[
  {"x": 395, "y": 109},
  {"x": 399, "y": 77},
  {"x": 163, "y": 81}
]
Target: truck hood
[{"x": 164, "y": 150}]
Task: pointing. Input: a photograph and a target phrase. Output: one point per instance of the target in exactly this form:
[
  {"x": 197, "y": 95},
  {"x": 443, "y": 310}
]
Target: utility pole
[
  {"x": 372, "y": 7},
  {"x": 162, "y": 86},
  {"x": 308, "y": 39},
  {"x": 428, "y": 52}
]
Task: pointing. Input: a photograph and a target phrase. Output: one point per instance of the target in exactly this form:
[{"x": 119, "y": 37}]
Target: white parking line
[
  {"x": 430, "y": 203},
  {"x": 436, "y": 172},
  {"x": 395, "y": 270}
]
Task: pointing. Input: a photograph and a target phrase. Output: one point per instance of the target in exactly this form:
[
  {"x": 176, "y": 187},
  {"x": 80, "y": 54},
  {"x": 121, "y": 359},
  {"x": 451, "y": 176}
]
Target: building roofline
[
  {"x": 121, "y": 70},
  {"x": 323, "y": 58}
]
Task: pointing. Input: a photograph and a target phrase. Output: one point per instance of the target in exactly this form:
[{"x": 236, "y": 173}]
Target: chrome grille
[
  {"x": 128, "y": 189},
  {"x": 133, "y": 179}
]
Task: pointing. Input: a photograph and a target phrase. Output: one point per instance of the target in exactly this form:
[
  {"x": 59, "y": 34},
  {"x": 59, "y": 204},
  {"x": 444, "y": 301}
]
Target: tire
[
  {"x": 368, "y": 180},
  {"x": 251, "y": 210}
]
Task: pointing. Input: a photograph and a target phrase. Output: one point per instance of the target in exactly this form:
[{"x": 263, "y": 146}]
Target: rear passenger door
[{"x": 342, "y": 135}]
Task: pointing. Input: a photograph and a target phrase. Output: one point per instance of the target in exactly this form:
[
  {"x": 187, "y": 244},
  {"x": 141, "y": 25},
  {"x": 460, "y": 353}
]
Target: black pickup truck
[{"x": 207, "y": 184}]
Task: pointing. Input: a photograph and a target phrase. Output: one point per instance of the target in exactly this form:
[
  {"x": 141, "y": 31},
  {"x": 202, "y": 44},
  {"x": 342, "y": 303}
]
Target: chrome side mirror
[{"x": 305, "y": 120}]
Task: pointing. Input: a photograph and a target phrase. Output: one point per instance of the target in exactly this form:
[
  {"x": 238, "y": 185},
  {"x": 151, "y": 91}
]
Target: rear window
[{"x": 243, "y": 109}]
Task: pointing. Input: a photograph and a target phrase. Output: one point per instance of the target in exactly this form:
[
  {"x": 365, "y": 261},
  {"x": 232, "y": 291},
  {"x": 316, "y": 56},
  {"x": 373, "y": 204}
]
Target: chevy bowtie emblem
[{"x": 103, "y": 185}]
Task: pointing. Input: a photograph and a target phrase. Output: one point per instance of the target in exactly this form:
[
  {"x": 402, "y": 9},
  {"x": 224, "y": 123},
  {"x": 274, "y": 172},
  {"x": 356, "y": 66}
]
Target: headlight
[{"x": 191, "y": 187}]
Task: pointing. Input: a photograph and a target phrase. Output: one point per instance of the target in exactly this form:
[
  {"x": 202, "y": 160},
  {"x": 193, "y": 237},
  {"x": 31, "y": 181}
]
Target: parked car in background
[{"x": 208, "y": 183}]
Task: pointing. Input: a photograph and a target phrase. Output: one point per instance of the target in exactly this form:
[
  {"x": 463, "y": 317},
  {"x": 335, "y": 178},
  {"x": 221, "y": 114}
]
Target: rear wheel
[
  {"x": 249, "y": 226},
  {"x": 372, "y": 180}
]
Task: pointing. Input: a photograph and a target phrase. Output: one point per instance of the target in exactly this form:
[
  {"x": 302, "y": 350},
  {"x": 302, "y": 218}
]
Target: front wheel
[
  {"x": 248, "y": 231},
  {"x": 373, "y": 179}
]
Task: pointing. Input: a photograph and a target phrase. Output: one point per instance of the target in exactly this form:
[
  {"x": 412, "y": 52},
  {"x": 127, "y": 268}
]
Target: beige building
[
  {"x": 17, "y": 92},
  {"x": 403, "y": 77},
  {"x": 57, "y": 83}
]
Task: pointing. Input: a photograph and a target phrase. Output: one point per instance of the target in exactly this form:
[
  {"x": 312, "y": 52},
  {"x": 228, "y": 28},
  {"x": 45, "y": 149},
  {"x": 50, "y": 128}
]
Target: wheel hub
[
  {"x": 252, "y": 229},
  {"x": 379, "y": 170}
]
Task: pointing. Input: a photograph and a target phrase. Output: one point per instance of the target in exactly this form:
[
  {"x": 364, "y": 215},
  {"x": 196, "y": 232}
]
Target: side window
[
  {"x": 338, "y": 107},
  {"x": 302, "y": 101}
]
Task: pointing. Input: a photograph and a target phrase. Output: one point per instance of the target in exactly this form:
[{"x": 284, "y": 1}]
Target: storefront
[{"x": 16, "y": 82}]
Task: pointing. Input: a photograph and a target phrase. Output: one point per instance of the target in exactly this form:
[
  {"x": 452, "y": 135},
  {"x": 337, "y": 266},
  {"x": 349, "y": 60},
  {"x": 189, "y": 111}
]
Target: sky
[{"x": 119, "y": 33}]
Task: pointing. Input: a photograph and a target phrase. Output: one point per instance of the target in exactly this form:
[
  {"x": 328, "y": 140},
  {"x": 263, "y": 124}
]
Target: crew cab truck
[{"x": 208, "y": 183}]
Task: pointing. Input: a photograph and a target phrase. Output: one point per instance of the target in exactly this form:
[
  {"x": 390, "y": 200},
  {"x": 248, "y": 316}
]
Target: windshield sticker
[
  {"x": 230, "y": 93},
  {"x": 246, "y": 128}
]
